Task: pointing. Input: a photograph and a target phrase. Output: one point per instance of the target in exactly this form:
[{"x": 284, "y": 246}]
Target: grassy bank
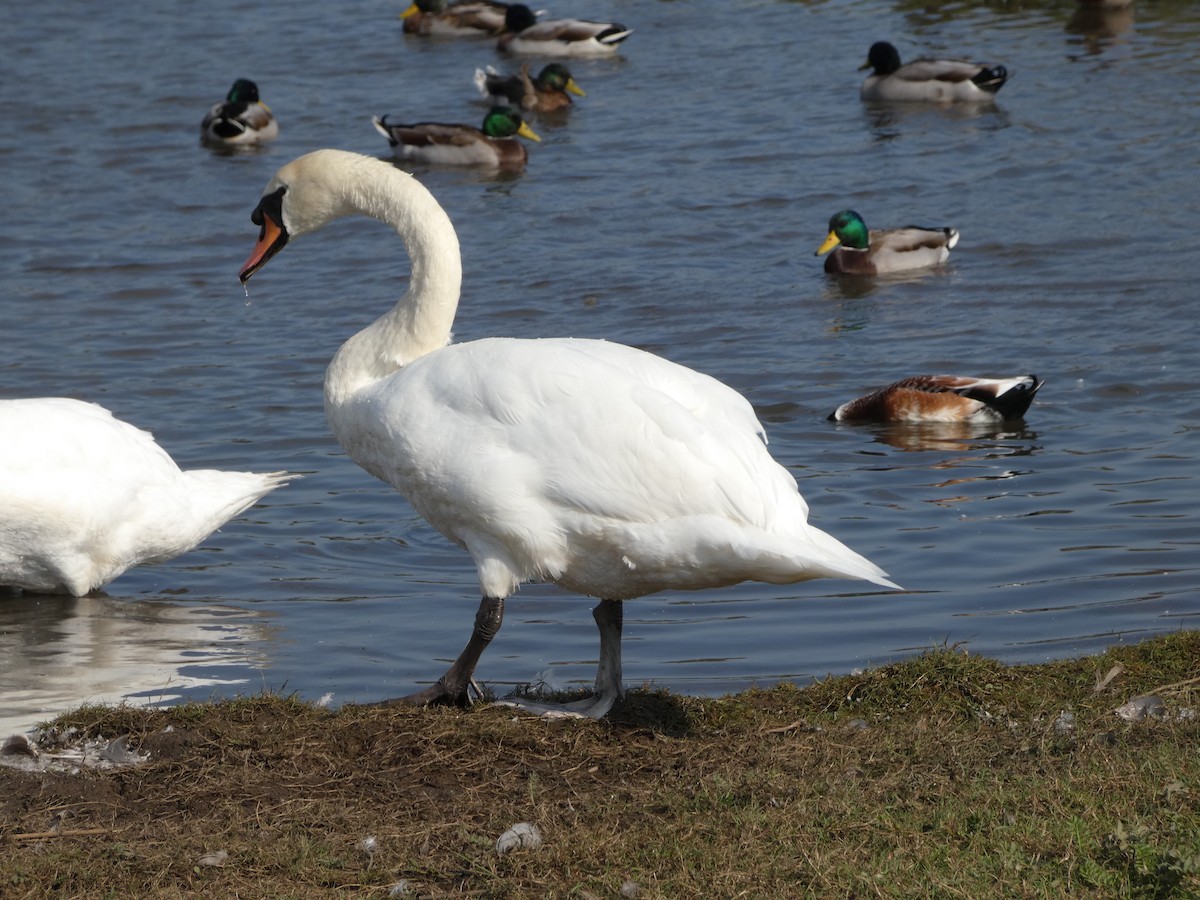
[{"x": 948, "y": 775}]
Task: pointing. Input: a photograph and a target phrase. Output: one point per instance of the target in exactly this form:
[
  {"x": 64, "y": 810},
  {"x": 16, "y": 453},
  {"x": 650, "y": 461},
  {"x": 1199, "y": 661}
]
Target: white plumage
[
  {"x": 605, "y": 469},
  {"x": 85, "y": 496}
]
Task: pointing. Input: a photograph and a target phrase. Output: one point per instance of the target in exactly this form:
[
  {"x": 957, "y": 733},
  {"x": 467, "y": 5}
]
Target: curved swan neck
[{"x": 420, "y": 321}]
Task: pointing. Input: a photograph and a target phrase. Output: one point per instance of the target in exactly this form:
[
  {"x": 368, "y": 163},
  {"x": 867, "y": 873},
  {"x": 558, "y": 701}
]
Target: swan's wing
[
  {"x": 576, "y": 428},
  {"x": 49, "y": 439},
  {"x": 606, "y": 469}
]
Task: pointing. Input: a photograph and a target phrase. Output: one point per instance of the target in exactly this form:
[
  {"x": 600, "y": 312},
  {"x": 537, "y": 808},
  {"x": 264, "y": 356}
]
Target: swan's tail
[
  {"x": 833, "y": 559},
  {"x": 217, "y": 496}
]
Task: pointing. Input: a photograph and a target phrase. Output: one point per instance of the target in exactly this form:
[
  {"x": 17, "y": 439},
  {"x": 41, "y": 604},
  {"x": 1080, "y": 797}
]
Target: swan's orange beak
[{"x": 272, "y": 236}]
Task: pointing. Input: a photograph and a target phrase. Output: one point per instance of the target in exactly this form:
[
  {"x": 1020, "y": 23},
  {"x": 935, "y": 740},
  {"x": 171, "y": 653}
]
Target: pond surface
[{"x": 676, "y": 208}]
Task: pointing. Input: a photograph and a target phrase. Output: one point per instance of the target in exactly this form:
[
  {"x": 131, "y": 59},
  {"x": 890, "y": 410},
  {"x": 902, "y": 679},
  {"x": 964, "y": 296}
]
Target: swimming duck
[
  {"x": 928, "y": 80},
  {"x": 84, "y": 496},
  {"x": 558, "y": 37},
  {"x": 471, "y": 18},
  {"x": 462, "y": 145},
  {"x": 599, "y": 467},
  {"x": 865, "y": 252},
  {"x": 551, "y": 89},
  {"x": 240, "y": 119},
  {"x": 943, "y": 398}
]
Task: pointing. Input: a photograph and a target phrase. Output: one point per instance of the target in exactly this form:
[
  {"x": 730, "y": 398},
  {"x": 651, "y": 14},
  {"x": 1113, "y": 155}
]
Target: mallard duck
[
  {"x": 865, "y": 252},
  {"x": 928, "y": 80},
  {"x": 558, "y": 37},
  {"x": 943, "y": 398},
  {"x": 84, "y": 496},
  {"x": 241, "y": 118},
  {"x": 596, "y": 466},
  {"x": 471, "y": 18},
  {"x": 551, "y": 89},
  {"x": 462, "y": 145}
]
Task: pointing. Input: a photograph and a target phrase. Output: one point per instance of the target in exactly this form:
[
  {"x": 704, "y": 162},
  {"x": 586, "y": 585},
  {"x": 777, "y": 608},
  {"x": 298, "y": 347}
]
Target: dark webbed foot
[
  {"x": 436, "y": 694},
  {"x": 439, "y": 694},
  {"x": 453, "y": 688}
]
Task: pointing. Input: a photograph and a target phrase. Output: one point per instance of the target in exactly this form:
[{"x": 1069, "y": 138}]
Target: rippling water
[{"x": 676, "y": 208}]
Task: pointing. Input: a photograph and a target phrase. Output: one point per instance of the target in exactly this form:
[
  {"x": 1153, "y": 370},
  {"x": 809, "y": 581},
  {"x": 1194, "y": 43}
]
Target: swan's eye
[{"x": 270, "y": 206}]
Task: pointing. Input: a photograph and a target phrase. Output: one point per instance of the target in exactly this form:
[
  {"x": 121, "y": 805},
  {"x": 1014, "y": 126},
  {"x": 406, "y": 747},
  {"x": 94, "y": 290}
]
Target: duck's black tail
[
  {"x": 1014, "y": 402},
  {"x": 991, "y": 79}
]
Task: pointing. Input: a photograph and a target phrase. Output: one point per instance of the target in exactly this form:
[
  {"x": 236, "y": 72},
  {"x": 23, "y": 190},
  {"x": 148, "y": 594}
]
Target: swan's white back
[
  {"x": 608, "y": 470},
  {"x": 85, "y": 496}
]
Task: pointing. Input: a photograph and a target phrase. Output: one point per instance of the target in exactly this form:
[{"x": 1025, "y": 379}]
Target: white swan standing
[
  {"x": 602, "y": 468},
  {"x": 85, "y": 496}
]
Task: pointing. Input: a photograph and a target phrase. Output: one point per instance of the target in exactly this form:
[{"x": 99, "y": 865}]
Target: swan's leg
[
  {"x": 609, "y": 617},
  {"x": 452, "y": 687}
]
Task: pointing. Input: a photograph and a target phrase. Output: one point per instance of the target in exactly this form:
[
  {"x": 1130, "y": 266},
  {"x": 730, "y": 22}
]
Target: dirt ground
[{"x": 947, "y": 770}]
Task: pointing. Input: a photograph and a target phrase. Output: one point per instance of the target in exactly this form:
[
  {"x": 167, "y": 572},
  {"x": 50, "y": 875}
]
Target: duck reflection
[
  {"x": 59, "y": 652},
  {"x": 1099, "y": 23},
  {"x": 969, "y": 450},
  {"x": 954, "y": 437},
  {"x": 889, "y": 121}
]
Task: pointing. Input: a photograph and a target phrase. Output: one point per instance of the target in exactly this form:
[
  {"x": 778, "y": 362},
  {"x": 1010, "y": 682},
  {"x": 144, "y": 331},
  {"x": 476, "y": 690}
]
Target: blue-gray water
[{"x": 676, "y": 208}]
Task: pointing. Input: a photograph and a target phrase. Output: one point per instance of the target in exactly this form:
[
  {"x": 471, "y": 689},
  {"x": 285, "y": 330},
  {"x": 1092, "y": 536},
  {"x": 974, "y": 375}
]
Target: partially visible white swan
[
  {"x": 602, "y": 468},
  {"x": 85, "y": 496}
]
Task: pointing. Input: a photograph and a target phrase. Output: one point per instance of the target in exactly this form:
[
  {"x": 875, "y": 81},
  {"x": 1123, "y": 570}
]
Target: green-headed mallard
[
  {"x": 461, "y": 145},
  {"x": 241, "y": 118},
  {"x": 943, "y": 398},
  {"x": 558, "y": 37},
  {"x": 863, "y": 252},
  {"x": 470, "y": 18},
  {"x": 928, "y": 80},
  {"x": 551, "y": 89}
]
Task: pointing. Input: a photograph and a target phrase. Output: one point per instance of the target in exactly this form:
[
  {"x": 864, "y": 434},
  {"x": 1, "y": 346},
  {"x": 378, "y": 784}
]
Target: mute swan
[
  {"x": 85, "y": 496},
  {"x": 604, "y": 469},
  {"x": 523, "y": 33},
  {"x": 928, "y": 80},
  {"x": 551, "y": 90},
  {"x": 864, "y": 252},
  {"x": 943, "y": 398},
  {"x": 462, "y": 145},
  {"x": 240, "y": 119}
]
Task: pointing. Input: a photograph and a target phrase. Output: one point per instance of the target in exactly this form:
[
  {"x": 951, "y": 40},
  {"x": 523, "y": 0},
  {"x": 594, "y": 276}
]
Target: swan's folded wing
[{"x": 586, "y": 427}]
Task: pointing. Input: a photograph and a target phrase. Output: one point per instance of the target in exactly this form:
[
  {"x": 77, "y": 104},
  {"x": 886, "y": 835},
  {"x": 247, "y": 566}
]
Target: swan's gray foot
[
  {"x": 593, "y": 707},
  {"x": 437, "y": 694},
  {"x": 440, "y": 694},
  {"x": 453, "y": 688},
  {"x": 609, "y": 618}
]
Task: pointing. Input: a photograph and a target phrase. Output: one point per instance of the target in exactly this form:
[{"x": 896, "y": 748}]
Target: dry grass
[{"x": 948, "y": 775}]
